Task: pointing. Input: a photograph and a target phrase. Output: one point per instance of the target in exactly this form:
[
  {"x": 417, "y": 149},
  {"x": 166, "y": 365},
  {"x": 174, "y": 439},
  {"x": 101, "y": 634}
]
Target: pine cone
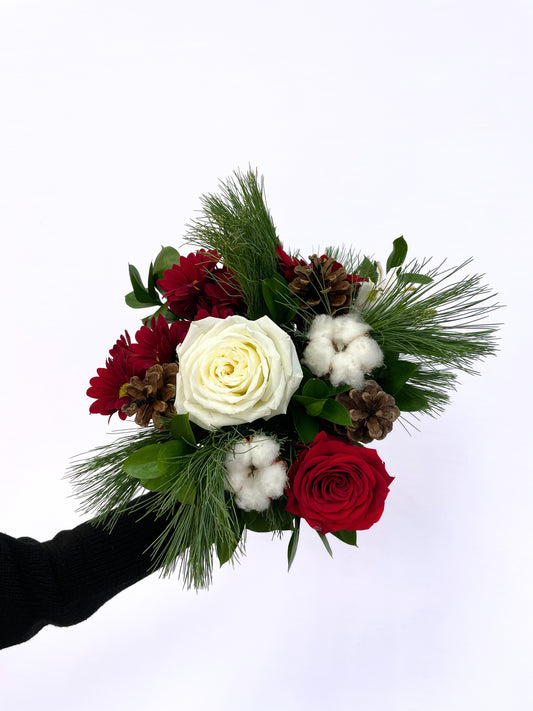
[
  {"x": 153, "y": 397},
  {"x": 372, "y": 412},
  {"x": 322, "y": 286}
]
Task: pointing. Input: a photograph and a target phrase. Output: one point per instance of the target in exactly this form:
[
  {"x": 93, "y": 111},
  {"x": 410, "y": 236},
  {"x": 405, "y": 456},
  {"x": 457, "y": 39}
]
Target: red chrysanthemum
[
  {"x": 157, "y": 343},
  {"x": 287, "y": 263},
  {"x": 197, "y": 283},
  {"x": 185, "y": 282},
  {"x": 108, "y": 386},
  {"x": 122, "y": 344},
  {"x": 223, "y": 293}
]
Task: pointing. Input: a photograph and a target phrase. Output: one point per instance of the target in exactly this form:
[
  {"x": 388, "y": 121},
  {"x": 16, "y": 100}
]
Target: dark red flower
[
  {"x": 122, "y": 344},
  {"x": 157, "y": 342},
  {"x": 356, "y": 281},
  {"x": 185, "y": 282},
  {"x": 108, "y": 386},
  {"x": 287, "y": 263},
  {"x": 336, "y": 486},
  {"x": 223, "y": 293}
]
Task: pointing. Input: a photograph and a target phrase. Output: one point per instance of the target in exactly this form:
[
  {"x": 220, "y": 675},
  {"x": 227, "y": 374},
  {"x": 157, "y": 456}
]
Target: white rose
[{"x": 234, "y": 371}]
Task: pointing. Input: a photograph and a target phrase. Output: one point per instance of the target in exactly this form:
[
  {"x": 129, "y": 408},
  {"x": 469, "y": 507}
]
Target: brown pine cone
[
  {"x": 372, "y": 412},
  {"x": 153, "y": 397},
  {"x": 322, "y": 286}
]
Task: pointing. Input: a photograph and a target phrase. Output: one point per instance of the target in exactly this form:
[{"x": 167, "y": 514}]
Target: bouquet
[{"x": 260, "y": 377}]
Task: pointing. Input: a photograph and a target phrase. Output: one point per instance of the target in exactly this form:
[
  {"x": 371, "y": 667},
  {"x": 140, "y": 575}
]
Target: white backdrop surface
[{"x": 368, "y": 120}]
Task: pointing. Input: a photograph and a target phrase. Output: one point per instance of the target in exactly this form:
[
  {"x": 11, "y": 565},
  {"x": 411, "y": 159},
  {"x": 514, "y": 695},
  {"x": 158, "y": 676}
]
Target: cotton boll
[
  {"x": 347, "y": 370},
  {"x": 240, "y": 458},
  {"x": 263, "y": 451},
  {"x": 366, "y": 353},
  {"x": 274, "y": 479},
  {"x": 322, "y": 327},
  {"x": 318, "y": 354},
  {"x": 347, "y": 328},
  {"x": 235, "y": 479},
  {"x": 252, "y": 497},
  {"x": 253, "y": 473}
]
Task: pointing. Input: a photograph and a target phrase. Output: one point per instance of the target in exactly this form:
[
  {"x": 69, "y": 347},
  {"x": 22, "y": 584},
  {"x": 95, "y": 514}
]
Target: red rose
[{"x": 337, "y": 486}]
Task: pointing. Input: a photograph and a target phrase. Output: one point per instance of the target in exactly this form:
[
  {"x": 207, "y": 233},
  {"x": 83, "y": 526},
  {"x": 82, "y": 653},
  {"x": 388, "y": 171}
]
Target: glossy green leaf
[
  {"x": 312, "y": 406},
  {"x": 397, "y": 256},
  {"x": 333, "y": 411},
  {"x": 306, "y": 426},
  {"x": 325, "y": 541},
  {"x": 134, "y": 303},
  {"x": 257, "y": 522},
  {"x": 281, "y": 304},
  {"x": 293, "y": 543},
  {"x": 151, "y": 285},
  {"x": 185, "y": 494},
  {"x": 180, "y": 428},
  {"x": 142, "y": 464},
  {"x": 225, "y": 551},
  {"x": 368, "y": 270},
  {"x": 316, "y": 388},
  {"x": 159, "y": 484},
  {"x": 170, "y": 455},
  {"x": 396, "y": 375},
  {"x": 410, "y": 399},
  {"x": 166, "y": 259},
  {"x": 140, "y": 291},
  {"x": 349, "y": 537}
]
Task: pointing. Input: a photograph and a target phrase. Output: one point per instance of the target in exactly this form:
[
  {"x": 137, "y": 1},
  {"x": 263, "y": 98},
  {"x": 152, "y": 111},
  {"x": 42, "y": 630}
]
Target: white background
[{"x": 368, "y": 120}]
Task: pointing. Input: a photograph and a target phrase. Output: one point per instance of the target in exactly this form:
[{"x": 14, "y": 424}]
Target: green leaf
[
  {"x": 293, "y": 543},
  {"x": 342, "y": 388},
  {"x": 257, "y": 522},
  {"x": 312, "y": 405},
  {"x": 142, "y": 464},
  {"x": 281, "y": 304},
  {"x": 180, "y": 428},
  {"x": 316, "y": 388},
  {"x": 410, "y": 399},
  {"x": 170, "y": 456},
  {"x": 326, "y": 543},
  {"x": 397, "y": 256},
  {"x": 186, "y": 494},
  {"x": 349, "y": 537},
  {"x": 166, "y": 259},
  {"x": 333, "y": 411},
  {"x": 139, "y": 290},
  {"x": 160, "y": 484},
  {"x": 306, "y": 426},
  {"x": 413, "y": 278},
  {"x": 396, "y": 375},
  {"x": 163, "y": 310},
  {"x": 368, "y": 270},
  {"x": 225, "y": 550},
  {"x": 151, "y": 285},
  {"x": 134, "y": 303}
]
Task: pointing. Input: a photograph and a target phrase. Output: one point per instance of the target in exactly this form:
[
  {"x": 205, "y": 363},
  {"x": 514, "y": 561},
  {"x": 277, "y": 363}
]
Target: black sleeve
[{"x": 63, "y": 581}]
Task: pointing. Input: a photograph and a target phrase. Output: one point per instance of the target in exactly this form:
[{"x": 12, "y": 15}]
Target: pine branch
[
  {"x": 440, "y": 323},
  {"x": 237, "y": 223}
]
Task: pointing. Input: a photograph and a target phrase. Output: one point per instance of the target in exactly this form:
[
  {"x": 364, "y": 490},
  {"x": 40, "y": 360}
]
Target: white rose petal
[{"x": 234, "y": 371}]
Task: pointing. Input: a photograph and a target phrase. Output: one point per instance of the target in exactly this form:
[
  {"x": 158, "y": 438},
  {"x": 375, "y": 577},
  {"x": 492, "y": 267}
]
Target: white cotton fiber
[
  {"x": 254, "y": 473},
  {"x": 318, "y": 354}
]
